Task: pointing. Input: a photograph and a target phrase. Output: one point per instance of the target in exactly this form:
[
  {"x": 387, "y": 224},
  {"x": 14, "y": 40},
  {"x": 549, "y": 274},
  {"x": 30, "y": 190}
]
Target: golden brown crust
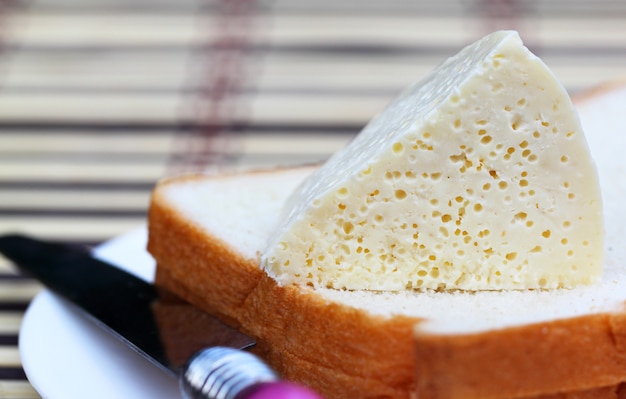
[
  {"x": 610, "y": 392},
  {"x": 327, "y": 335},
  {"x": 562, "y": 355},
  {"x": 591, "y": 94},
  {"x": 221, "y": 277},
  {"x": 346, "y": 353}
]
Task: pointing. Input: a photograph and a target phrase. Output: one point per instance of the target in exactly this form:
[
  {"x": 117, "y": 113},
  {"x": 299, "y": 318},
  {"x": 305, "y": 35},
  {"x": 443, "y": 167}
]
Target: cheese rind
[{"x": 476, "y": 178}]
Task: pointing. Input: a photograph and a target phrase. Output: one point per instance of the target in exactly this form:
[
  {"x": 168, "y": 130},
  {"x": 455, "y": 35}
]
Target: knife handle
[{"x": 226, "y": 373}]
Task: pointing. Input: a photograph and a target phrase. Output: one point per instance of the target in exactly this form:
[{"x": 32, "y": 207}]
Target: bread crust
[
  {"x": 610, "y": 392},
  {"x": 561, "y": 355},
  {"x": 332, "y": 337},
  {"x": 599, "y": 90},
  {"x": 219, "y": 275}
]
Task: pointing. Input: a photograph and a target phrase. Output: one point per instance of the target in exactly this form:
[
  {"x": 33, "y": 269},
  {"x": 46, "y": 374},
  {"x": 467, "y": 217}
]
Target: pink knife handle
[{"x": 278, "y": 390}]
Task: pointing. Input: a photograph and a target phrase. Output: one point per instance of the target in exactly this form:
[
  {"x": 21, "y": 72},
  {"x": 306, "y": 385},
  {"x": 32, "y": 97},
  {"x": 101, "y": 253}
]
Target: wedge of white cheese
[{"x": 476, "y": 178}]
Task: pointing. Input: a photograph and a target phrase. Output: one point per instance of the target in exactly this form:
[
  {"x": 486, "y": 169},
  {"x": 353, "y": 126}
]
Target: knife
[{"x": 206, "y": 355}]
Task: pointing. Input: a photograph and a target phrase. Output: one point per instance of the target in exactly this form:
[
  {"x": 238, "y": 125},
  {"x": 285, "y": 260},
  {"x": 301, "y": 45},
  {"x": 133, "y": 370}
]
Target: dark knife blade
[{"x": 168, "y": 331}]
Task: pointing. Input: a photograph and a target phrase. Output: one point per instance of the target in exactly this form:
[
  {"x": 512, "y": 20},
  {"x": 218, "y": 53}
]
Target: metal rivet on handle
[{"x": 222, "y": 373}]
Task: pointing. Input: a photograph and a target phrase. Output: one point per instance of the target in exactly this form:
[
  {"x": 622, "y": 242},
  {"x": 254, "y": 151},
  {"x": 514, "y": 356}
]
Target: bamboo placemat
[{"x": 101, "y": 98}]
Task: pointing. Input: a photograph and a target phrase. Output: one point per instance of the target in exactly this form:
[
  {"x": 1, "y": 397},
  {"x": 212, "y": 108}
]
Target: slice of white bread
[{"x": 206, "y": 234}]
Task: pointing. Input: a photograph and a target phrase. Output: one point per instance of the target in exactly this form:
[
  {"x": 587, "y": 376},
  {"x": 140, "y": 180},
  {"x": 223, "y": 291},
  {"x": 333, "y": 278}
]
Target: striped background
[{"x": 101, "y": 98}]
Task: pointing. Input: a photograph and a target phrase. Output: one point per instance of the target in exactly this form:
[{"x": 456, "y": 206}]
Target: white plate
[{"x": 67, "y": 357}]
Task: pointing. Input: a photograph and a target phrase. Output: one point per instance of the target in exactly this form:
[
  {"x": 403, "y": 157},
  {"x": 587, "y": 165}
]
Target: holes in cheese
[{"x": 476, "y": 178}]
